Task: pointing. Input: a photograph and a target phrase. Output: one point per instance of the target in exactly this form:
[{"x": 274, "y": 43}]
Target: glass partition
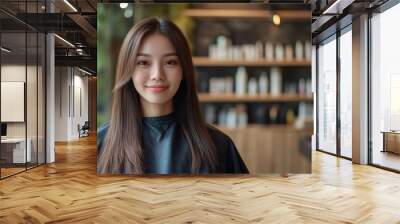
[
  {"x": 346, "y": 93},
  {"x": 22, "y": 88},
  {"x": 327, "y": 96},
  {"x": 14, "y": 152}
]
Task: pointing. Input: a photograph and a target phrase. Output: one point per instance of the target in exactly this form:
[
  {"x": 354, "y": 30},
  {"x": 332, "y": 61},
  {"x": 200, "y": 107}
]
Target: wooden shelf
[
  {"x": 228, "y": 98},
  {"x": 248, "y": 13},
  {"x": 205, "y": 61}
]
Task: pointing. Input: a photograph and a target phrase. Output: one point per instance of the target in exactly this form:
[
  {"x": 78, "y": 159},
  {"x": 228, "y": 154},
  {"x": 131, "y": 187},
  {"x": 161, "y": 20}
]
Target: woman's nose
[{"x": 157, "y": 72}]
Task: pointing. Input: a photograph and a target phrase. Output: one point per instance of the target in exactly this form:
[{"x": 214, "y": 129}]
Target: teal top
[{"x": 166, "y": 151}]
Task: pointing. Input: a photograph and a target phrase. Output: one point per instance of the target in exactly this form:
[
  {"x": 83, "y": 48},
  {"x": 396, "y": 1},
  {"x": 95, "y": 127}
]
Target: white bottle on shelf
[
  {"x": 299, "y": 51},
  {"x": 279, "y": 52},
  {"x": 263, "y": 83},
  {"x": 213, "y": 51},
  {"x": 241, "y": 81},
  {"x": 276, "y": 81},
  {"x": 222, "y": 45},
  {"x": 269, "y": 51},
  {"x": 288, "y": 52},
  {"x": 259, "y": 48},
  {"x": 231, "y": 118},
  {"x": 252, "y": 89}
]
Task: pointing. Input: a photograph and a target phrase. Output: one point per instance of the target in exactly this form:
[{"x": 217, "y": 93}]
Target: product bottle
[
  {"x": 252, "y": 86},
  {"x": 276, "y": 81},
  {"x": 279, "y": 52},
  {"x": 269, "y": 51},
  {"x": 290, "y": 117},
  {"x": 299, "y": 51},
  {"x": 231, "y": 118},
  {"x": 222, "y": 46},
  {"x": 241, "y": 81},
  {"x": 289, "y": 52},
  {"x": 263, "y": 82}
]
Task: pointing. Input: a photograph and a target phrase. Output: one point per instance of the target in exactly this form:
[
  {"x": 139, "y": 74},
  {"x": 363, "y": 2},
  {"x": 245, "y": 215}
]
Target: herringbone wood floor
[{"x": 70, "y": 192}]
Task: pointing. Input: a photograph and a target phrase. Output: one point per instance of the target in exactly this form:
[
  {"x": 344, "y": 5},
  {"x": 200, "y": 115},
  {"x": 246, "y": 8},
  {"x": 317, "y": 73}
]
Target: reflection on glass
[
  {"x": 41, "y": 99},
  {"x": 31, "y": 101},
  {"x": 345, "y": 94},
  {"x": 386, "y": 89},
  {"x": 327, "y": 97},
  {"x": 14, "y": 146}
]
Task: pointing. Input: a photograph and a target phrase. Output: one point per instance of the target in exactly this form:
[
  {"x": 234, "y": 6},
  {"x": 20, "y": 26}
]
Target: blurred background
[{"x": 253, "y": 73}]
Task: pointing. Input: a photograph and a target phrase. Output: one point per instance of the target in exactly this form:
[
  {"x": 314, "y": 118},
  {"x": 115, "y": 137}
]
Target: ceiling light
[
  {"x": 70, "y": 5},
  {"x": 276, "y": 19},
  {"x": 337, "y": 7},
  {"x": 65, "y": 41},
  {"x": 5, "y": 50},
  {"x": 123, "y": 5}
]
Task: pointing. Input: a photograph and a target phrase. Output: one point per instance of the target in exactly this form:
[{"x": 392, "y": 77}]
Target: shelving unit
[
  {"x": 205, "y": 61},
  {"x": 211, "y": 67},
  {"x": 270, "y": 133}
]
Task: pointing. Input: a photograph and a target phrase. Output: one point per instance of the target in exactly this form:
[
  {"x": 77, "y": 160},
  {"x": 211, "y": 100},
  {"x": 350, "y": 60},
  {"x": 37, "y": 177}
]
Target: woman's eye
[
  {"x": 142, "y": 63},
  {"x": 172, "y": 62}
]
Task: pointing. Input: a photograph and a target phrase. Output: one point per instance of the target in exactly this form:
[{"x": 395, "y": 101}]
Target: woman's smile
[{"x": 156, "y": 88}]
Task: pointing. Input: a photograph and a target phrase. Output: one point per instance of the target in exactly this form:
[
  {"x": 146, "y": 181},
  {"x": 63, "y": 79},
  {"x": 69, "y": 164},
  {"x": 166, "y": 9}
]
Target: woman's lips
[{"x": 156, "y": 88}]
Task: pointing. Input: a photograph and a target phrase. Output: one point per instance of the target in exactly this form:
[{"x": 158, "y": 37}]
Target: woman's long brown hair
[{"x": 122, "y": 147}]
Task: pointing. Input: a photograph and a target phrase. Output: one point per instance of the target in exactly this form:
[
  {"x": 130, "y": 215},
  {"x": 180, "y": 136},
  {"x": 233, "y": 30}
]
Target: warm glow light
[
  {"x": 276, "y": 19},
  {"x": 123, "y": 5}
]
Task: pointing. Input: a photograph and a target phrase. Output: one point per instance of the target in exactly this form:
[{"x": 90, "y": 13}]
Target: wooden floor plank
[{"x": 69, "y": 191}]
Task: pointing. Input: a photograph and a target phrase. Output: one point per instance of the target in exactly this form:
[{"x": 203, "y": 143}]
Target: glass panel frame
[
  {"x": 326, "y": 72},
  {"x": 27, "y": 57}
]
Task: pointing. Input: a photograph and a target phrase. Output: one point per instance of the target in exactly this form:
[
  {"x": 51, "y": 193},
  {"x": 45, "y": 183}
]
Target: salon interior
[{"x": 315, "y": 98}]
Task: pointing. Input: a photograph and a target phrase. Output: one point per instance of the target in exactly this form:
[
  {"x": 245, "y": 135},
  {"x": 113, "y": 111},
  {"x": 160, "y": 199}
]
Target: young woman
[{"x": 156, "y": 125}]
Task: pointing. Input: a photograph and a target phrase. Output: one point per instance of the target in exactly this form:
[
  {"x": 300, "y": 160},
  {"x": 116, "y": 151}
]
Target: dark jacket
[{"x": 166, "y": 150}]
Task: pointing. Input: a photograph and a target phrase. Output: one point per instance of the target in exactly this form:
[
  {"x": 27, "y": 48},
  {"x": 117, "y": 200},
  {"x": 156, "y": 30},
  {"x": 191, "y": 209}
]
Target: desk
[
  {"x": 13, "y": 150},
  {"x": 391, "y": 141}
]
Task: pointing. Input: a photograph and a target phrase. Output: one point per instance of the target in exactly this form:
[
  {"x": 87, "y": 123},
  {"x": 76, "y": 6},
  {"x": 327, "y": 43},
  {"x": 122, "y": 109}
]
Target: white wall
[{"x": 71, "y": 87}]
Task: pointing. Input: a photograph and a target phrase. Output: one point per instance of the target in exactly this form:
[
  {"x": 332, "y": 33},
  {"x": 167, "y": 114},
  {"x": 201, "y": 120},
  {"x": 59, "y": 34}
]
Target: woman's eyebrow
[
  {"x": 170, "y": 54},
  {"x": 164, "y": 55}
]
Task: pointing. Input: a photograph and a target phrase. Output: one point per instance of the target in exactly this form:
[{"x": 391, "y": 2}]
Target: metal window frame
[{"x": 333, "y": 37}]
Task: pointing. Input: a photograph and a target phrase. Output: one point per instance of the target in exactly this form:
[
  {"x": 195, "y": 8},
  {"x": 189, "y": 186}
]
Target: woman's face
[{"x": 158, "y": 72}]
